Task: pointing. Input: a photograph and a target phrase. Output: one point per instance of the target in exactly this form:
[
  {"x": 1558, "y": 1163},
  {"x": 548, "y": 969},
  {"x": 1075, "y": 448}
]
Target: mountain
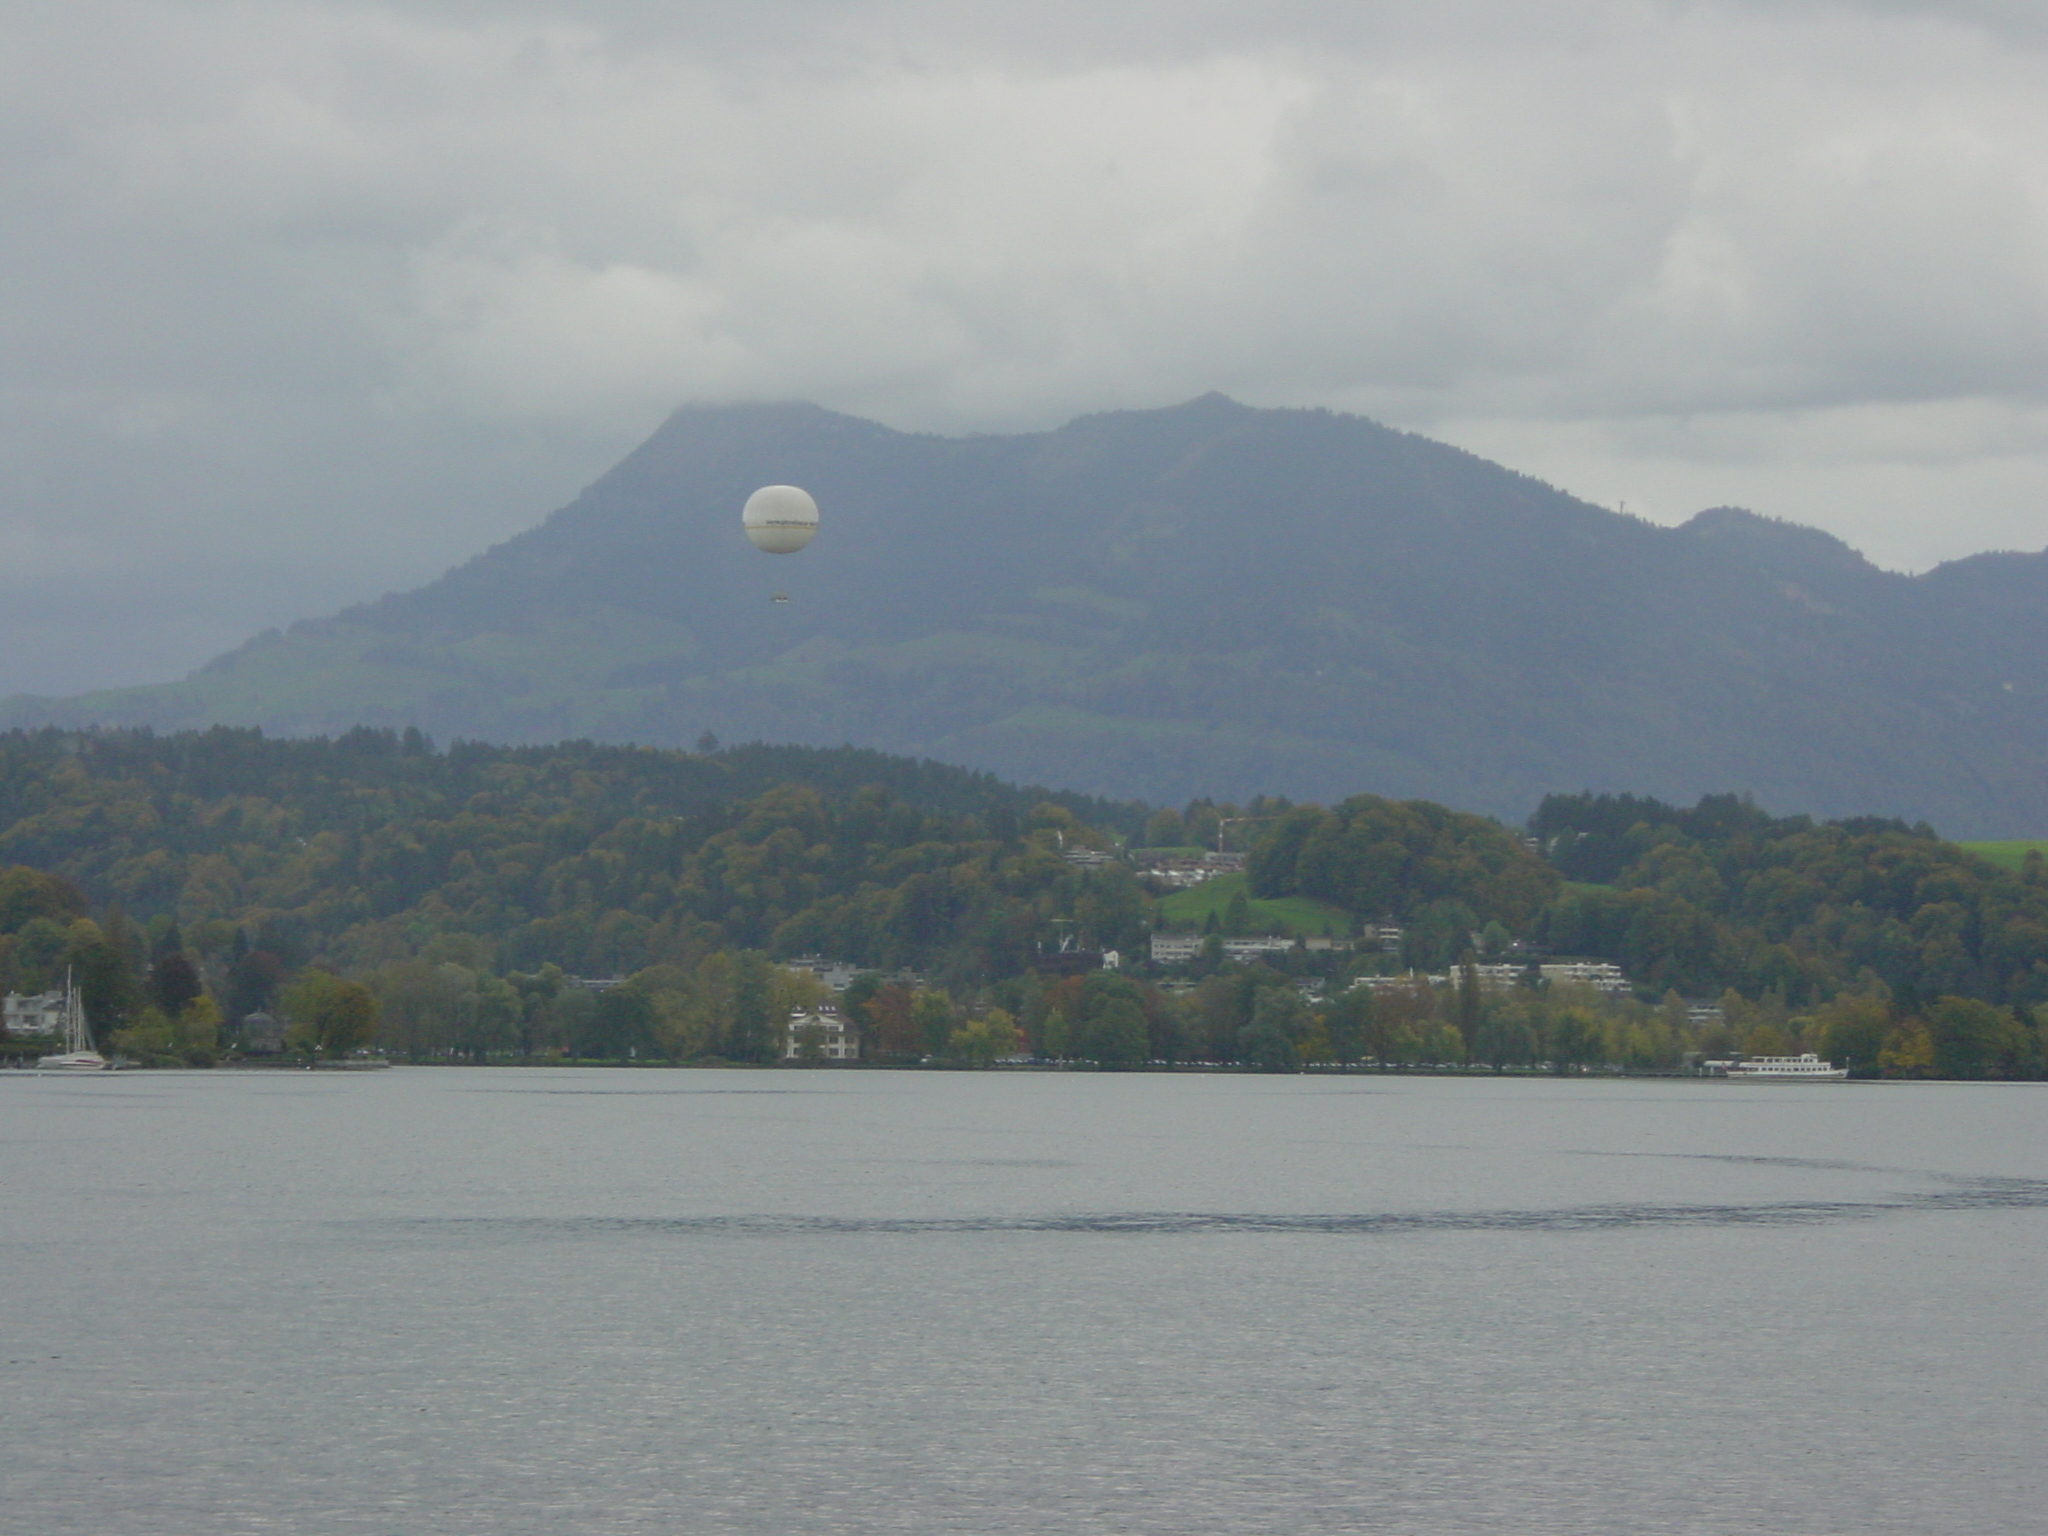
[{"x": 1207, "y": 599}]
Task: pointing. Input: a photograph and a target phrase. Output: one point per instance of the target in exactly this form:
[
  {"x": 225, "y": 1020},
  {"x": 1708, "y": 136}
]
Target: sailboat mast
[{"x": 76, "y": 1036}]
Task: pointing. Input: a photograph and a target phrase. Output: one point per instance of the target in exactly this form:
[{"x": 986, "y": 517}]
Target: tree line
[
  {"x": 1724, "y": 895},
  {"x": 458, "y": 904}
]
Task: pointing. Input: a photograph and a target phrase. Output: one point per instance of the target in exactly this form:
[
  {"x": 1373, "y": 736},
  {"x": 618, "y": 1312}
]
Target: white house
[
  {"x": 1597, "y": 974},
  {"x": 1175, "y": 948},
  {"x": 837, "y": 1040},
  {"x": 1244, "y": 951},
  {"x": 37, "y": 1013},
  {"x": 1497, "y": 976}
]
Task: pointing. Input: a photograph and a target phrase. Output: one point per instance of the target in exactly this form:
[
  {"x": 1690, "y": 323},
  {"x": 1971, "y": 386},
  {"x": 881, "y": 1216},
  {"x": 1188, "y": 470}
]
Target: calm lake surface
[{"x": 455, "y": 1301}]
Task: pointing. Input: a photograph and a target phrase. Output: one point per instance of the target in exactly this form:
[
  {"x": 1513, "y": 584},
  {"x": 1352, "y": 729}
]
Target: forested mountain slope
[
  {"x": 1209, "y": 599},
  {"x": 373, "y": 846},
  {"x": 233, "y": 873}
]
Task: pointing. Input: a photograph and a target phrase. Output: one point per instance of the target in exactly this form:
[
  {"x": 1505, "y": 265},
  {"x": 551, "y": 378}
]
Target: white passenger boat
[
  {"x": 78, "y": 1054},
  {"x": 1807, "y": 1068}
]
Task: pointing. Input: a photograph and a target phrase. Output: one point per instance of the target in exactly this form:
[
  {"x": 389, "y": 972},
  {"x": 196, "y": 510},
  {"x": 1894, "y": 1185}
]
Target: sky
[{"x": 303, "y": 302}]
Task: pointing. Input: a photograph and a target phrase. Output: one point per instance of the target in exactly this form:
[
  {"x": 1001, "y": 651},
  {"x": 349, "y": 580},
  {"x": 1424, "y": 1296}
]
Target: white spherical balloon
[{"x": 780, "y": 519}]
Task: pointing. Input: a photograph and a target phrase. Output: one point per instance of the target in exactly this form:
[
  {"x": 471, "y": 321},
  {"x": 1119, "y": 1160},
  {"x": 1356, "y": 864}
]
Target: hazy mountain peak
[
  {"x": 1774, "y": 540},
  {"x": 1206, "y": 599}
]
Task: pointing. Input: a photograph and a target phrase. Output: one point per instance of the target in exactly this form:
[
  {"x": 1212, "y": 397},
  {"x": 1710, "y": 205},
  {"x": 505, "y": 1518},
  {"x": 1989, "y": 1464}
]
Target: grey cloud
[{"x": 416, "y": 271}]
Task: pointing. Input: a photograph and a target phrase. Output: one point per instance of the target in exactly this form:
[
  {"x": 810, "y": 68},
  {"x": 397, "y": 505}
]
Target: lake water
[{"x": 456, "y": 1301}]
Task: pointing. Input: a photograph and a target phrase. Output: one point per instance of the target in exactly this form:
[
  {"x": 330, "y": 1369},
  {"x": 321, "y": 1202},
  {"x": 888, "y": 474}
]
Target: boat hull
[{"x": 1807, "y": 1067}]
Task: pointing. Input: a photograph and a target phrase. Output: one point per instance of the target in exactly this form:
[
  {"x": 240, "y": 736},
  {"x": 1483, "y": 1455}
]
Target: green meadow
[
  {"x": 1298, "y": 914},
  {"x": 2010, "y": 853}
]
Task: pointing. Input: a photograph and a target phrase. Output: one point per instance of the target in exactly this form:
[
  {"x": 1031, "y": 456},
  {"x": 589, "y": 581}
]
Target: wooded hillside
[{"x": 191, "y": 880}]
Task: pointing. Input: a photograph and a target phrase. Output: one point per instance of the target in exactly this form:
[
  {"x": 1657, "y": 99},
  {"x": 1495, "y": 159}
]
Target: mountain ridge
[{"x": 1210, "y": 598}]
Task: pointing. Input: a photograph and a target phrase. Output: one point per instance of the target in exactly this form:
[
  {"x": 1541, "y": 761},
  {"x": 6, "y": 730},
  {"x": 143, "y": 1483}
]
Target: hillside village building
[
  {"x": 1244, "y": 951},
  {"x": 38, "y": 1013},
  {"x": 1402, "y": 983},
  {"x": 1597, "y": 974},
  {"x": 1180, "y": 948},
  {"x": 262, "y": 1035},
  {"x": 828, "y": 1028},
  {"x": 1179, "y": 870},
  {"x": 1499, "y": 977},
  {"x": 836, "y": 974}
]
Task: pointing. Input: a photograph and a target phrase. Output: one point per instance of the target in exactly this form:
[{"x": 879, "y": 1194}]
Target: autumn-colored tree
[
  {"x": 1908, "y": 1051},
  {"x": 1765, "y": 1039},
  {"x": 329, "y": 1016},
  {"x": 932, "y": 1019},
  {"x": 1974, "y": 1039},
  {"x": 27, "y": 893},
  {"x": 1573, "y": 1037},
  {"x": 892, "y": 1033},
  {"x": 1850, "y": 1030},
  {"x": 984, "y": 1041}
]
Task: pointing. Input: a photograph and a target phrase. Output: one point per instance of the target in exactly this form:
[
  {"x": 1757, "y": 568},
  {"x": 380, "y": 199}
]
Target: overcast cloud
[{"x": 302, "y": 302}]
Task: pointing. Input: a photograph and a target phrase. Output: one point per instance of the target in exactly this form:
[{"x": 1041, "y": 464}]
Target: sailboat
[{"x": 78, "y": 1054}]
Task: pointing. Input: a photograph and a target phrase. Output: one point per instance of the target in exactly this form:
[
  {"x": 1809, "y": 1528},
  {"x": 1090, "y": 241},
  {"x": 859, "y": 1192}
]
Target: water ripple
[{"x": 1983, "y": 1194}]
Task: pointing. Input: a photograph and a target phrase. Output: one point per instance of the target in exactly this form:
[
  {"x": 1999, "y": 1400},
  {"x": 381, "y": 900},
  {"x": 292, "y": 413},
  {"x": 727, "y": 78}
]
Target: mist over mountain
[{"x": 1207, "y": 599}]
